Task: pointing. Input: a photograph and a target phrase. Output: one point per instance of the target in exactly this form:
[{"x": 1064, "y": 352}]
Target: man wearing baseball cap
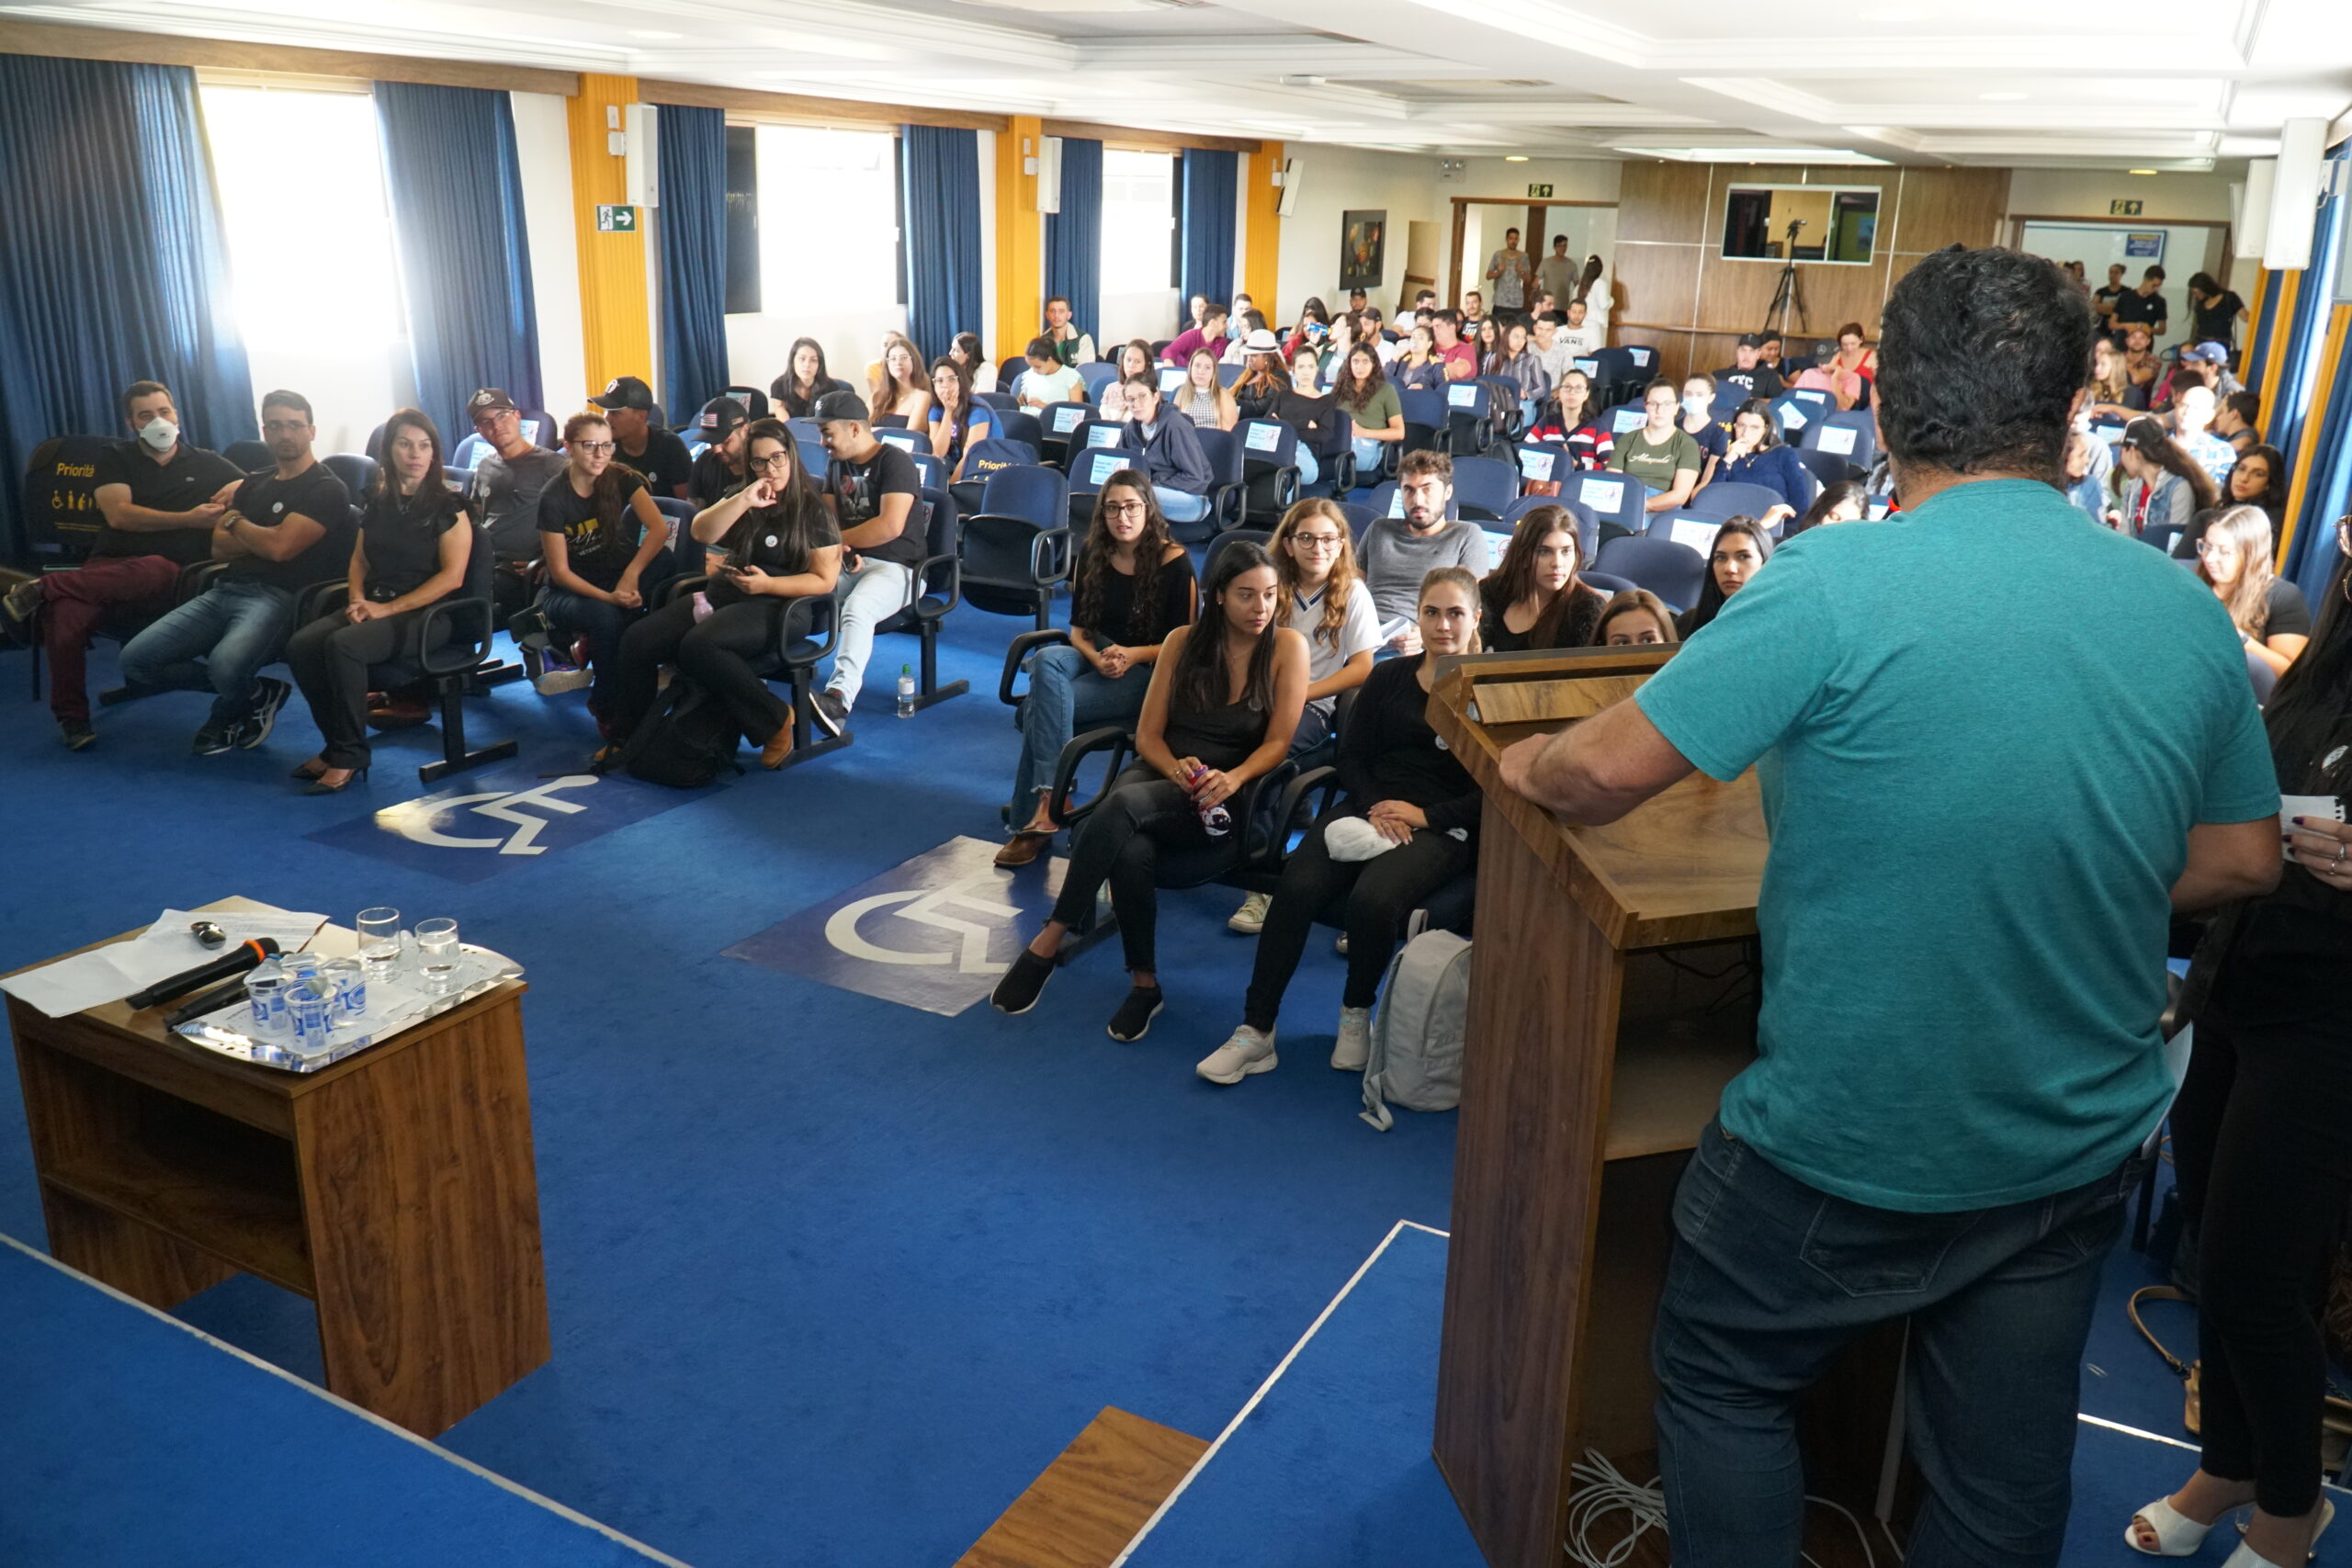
[
  {"x": 718, "y": 471},
  {"x": 505, "y": 492},
  {"x": 1748, "y": 372},
  {"x": 2211, "y": 361},
  {"x": 653, "y": 452},
  {"x": 876, "y": 495}
]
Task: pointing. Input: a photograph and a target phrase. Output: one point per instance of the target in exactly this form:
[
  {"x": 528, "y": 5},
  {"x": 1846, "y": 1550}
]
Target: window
[
  {"x": 829, "y": 221},
  {"x": 1138, "y": 220}
]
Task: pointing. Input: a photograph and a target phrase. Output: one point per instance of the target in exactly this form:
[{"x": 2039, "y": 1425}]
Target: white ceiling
[{"x": 1997, "y": 82}]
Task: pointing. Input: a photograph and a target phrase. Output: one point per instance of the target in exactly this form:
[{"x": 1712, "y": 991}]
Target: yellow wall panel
[
  {"x": 614, "y": 308},
  {"x": 1020, "y": 240}
]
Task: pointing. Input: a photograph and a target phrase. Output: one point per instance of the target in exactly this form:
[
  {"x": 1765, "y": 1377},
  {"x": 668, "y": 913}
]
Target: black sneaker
[
  {"x": 269, "y": 695},
  {"x": 78, "y": 733},
  {"x": 1133, "y": 1020},
  {"x": 213, "y": 739},
  {"x": 832, "y": 712},
  {"x": 1017, "y": 992}
]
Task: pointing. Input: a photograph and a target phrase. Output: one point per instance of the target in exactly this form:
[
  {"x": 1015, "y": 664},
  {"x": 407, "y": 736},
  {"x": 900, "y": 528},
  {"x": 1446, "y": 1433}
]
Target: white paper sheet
[{"x": 110, "y": 973}]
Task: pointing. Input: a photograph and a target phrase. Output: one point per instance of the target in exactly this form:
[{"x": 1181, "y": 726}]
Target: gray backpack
[{"x": 1416, "y": 1058}]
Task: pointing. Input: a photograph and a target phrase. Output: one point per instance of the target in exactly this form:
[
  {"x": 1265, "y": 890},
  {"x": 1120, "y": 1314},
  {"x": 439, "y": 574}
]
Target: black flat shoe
[
  {"x": 1017, "y": 992},
  {"x": 320, "y": 786},
  {"x": 1133, "y": 1020}
]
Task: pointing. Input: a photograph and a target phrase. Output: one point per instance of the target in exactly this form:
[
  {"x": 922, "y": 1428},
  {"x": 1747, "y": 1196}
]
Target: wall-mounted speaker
[
  {"x": 2253, "y": 207},
  {"x": 1287, "y": 177},
  {"x": 2295, "y": 193},
  {"x": 642, "y": 128},
  {"x": 1049, "y": 173}
]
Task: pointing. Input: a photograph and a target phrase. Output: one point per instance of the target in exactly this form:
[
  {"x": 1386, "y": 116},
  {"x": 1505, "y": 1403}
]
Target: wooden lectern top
[{"x": 1682, "y": 867}]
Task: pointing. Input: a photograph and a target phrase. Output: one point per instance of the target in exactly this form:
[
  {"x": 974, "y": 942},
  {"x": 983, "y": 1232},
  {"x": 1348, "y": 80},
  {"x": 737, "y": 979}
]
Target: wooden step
[{"x": 1089, "y": 1502}]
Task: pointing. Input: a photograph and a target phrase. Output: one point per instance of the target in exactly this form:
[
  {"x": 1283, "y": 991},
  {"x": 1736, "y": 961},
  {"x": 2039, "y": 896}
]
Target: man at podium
[{"x": 1996, "y": 746}]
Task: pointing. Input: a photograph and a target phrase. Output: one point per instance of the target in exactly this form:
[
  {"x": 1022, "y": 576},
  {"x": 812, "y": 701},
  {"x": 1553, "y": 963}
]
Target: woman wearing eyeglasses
[
  {"x": 2233, "y": 559},
  {"x": 604, "y": 545},
  {"x": 2262, "y": 1137},
  {"x": 779, "y": 543},
  {"x": 1134, "y": 585}
]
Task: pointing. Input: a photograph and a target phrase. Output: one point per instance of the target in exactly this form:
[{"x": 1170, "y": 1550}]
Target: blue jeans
[
  {"x": 1771, "y": 1278},
  {"x": 601, "y": 623},
  {"x": 1369, "y": 454},
  {"x": 1065, "y": 696},
  {"x": 1180, "y": 506},
  {"x": 1310, "y": 467},
  {"x": 214, "y": 643}
]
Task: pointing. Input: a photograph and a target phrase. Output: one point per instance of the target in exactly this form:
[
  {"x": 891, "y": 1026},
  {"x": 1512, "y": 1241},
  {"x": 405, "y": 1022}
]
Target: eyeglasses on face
[
  {"x": 284, "y": 426},
  {"x": 1124, "y": 508},
  {"x": 593, "y": 448},
  {"x": 778, "y": 460},
  {"x": 1317, "y": 541}
]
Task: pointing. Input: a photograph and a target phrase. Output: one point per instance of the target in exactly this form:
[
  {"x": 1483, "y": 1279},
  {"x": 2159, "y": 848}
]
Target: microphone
[{"x": 236, "y": 960}]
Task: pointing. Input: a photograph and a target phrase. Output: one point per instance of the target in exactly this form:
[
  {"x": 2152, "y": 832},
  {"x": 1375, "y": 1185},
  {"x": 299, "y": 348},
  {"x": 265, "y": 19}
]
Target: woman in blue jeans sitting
[
  {"x": 1134, "y": 585},
  {"x": 599, "y": 579}
]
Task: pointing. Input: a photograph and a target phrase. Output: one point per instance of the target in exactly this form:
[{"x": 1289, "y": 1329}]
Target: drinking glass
[
  {"x": 379, "y": 942},
  {"x": 437, "y": 946}
]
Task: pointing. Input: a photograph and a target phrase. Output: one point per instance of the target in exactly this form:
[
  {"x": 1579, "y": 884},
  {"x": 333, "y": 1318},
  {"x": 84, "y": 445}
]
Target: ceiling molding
[
  {"x": 68, "y": 42},
  {"x": 794, "y": 108},
  {"x": 1149, "y": 140}
]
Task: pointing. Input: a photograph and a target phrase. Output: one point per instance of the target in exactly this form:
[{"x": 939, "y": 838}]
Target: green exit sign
[
  {"x": 616, "y": 220},
  {"x": 1539, "y": 190},
  {"x": 2123, "y": 207}
]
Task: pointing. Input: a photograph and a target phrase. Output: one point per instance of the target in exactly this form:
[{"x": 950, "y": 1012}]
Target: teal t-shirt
[{"x": 1981, "y": 730}]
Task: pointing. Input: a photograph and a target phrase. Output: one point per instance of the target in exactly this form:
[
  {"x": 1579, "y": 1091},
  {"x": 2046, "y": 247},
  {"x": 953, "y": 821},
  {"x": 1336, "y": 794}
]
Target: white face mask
[
  {"x": 160, "y": 433},
  {"x": 1696, "y": 404}
]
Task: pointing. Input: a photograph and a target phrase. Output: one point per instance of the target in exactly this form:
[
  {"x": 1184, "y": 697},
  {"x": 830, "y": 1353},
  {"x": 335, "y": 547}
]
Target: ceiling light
[
  {"x": 2139, "y": 171},
  {"x": 2001, "y": 97},
  {"x": 655, "y": 34},
  {"x": 1752, "y": 155},
  {"x": 1514, "y": 157}
]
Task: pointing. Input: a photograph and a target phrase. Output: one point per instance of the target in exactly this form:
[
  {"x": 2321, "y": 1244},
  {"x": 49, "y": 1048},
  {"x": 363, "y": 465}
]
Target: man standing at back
[
  {"x": 1999, "y": 748},
  {"x": 1557, "y": 273},
  {"x": 1510, "y": 272}
]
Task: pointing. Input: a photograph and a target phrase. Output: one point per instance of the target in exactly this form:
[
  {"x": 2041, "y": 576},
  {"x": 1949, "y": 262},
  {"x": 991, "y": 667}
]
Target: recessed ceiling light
[
  {"x": 653, "y": 33},
  {"x": 1514, "y": 157},
  {"x": 2001, "y": 97},
  {"x": 2139, "y": 171}
]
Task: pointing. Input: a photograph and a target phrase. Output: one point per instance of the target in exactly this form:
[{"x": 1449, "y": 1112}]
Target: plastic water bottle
[
  {"x": 1215, "y": 821},
  {"x": 905, "y": 691}
]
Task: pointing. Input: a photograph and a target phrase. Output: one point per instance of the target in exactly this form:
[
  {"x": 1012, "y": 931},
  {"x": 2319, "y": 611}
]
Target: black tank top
[{"x": 1220, "y": 737}]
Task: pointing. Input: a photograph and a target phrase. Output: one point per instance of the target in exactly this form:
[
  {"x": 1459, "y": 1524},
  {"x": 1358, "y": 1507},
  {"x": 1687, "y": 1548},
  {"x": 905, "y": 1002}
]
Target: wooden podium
[{"x": 1612, "y": 994}]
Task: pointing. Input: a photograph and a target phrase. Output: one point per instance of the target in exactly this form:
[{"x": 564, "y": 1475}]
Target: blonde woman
[
  {"x": 905, "y": 389},
  {"x": 2233, "y": 558},
  {"x": 1202, "y": 398}
]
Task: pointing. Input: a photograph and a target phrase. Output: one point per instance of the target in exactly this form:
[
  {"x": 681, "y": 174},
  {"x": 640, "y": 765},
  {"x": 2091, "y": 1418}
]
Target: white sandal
[
  {"x": 2177, "y": 1535},
  {"x": 2246, "y": 1557}
]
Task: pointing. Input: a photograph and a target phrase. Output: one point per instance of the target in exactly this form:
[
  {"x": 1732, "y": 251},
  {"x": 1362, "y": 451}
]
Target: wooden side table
[{"x": 396, "y": 1188}]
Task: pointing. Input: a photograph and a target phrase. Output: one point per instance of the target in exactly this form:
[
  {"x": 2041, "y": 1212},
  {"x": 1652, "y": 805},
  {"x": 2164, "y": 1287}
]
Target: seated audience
[
  {"x": 1474, "y": 311},
  {"x": 1313, "y": 326},
  {"x": 903, "y": 392},
  {"x": 954, "y": 416},
  {"x": 1532, "y": 599},
  {"x": 1633, "y": 618},
  {"x": 1376, "y": 414},
  {"x": 287, "y": 528},
  {"x": 1570, "y": 418},
  {"x": 1419, "y": 368},
  {"x": 1700, "y": 424},
  {"x": 1742, "y": 546},
  {"x": 1132, "y": 359},
  {"x": 719, "y": 467},
  {"x": 2233, "y": 558},
  {"x": 1133, "y": 585},
  {"x": 2192, "y": 414},
  {"x": 1748, "y": 371},
  {"x": 1659, "y": 452},
  {"x": 605, "y": 547},
  {"x": 2156, "y": 483},
  {"x": 1848, "y": 501},
  {"x": 1852, "y": 368},
  {"x": 2113, "y": 395},
  {"x": 1202, "y": 398},
  {"x": 806, "y": 380},
  {"x": 2089, "y": 464},
  {"x": 964, "y": 350},
  {"x": 1459, "y": 359},
  {"x": 1407, "y": 827},
  {"x": 2258, "y": 478},
  {"x": 1258, "y": 393},
  {"x": 1557, "y": 356},
  {"x": 1307, "y": 409},
  {"x": 1048, "y": 380},
  {"x": 415, "y": 536},
  {"x": 656, "y": 454},
  {"x": 1487, "y": 340},
  {"x": 1756, "y": 456},
  {"x": 1332, "y": 352},
  {"x": 2209, "y": 362},
  {"x": 1768, "y": 349},
  {"x": 1196, "y": 310},
  {"x": 2238, "y": 421},
  {"x": 1398, "y": 552},
  {"x": 1325, "y": 602},
  {"x": 1168, "y": 451},
  {"x": 1224, "y": 699},
  {"x": 1208, "y": 335},
  {"x": 1245, "y": 323},
  {"x": 1071, "y": 345},
  {"x": 777, "y": 542},
  {"x": 504, "y": 493},
  {"x": 1583, "y": 335},
  {"x": 875, "y": 492},
  {"x": 2140, "y": 364},
  {"x": 158, "y": 500},
  {"x": 1514, "y": 362}
]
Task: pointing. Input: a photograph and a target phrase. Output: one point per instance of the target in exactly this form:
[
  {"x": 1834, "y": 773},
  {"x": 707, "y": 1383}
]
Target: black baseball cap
[
  {"x": 1751, "y": 340},
  {"x": 489, "y": 400},
  {"x": 838, "y": 404},
  {"x": 720, "y": 418},
  {"x": 626, "y": 392}
]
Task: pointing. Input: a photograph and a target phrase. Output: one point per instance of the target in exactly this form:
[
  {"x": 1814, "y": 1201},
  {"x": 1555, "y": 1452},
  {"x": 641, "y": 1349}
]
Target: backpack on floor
[
  {"x": 685, "y": 742},
  {"x": 1416, "y": 1058}
]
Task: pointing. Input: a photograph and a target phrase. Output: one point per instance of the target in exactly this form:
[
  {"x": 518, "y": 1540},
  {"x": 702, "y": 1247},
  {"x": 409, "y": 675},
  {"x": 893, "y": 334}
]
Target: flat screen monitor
[{"x": 1836, "y": 225}]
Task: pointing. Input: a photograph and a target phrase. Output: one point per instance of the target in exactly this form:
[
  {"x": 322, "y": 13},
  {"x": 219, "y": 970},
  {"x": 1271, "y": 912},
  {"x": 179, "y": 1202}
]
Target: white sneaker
[
  {"x": 1251, "y": 918},
  {"x": 556, "y": 680},
  {"x": 1354, "y": 1046},
  {"x": 1248, "y": 1051}
]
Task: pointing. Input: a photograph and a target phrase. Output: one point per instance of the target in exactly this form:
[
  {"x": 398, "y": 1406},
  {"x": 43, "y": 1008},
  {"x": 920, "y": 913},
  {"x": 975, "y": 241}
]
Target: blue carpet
[
  {"x": 832, "y": 1279},
  {"x": 1333, "y": 1466}
]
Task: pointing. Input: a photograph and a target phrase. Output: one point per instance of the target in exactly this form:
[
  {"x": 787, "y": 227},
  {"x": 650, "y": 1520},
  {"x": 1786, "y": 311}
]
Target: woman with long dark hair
[
  {"x": 2262, "y": 1137},
  {"x": 415, "y": 538},
  {"x": 804, "y": 379},
  {"x": 904, "y": 391},
  {"x": 2258, "y": 478},
  {"x": 2233, "y": 559},
  {"x": 1418, "y": 370},
  {"x": 965, "y": 351},
  {"x": 1848, "y": 501},
  {"x": 781, "y": 543},
  {"x": 1742, "y": 546},
  {"x": 1754, "y": 456},
  {"x": 2214, "y": 311},
  {"x": 953, "y": 411},
  {"x": 1132, "y": 358},
  {"x": 2156, "y": 483},
  {"x": 1225, "y": 697},
  {"x": 1362, "y": 393},
  {"x": 1532, "y": 599},
  {"x": 1569, "y": 418},
  {"x": 604, "y": 545},
  {"x": 1134, "y": 585}
]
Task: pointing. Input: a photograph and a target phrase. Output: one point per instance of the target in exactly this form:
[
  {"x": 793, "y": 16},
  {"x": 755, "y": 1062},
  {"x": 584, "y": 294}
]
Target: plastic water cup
[
  {"x": 299, "y": 966},
  {"x": 310, "y": 1013},
  {"x": 348, "y": 983},
  {"x": 265, "y": 993},
  {"x": 437, "y": 948},
  {"x": 379, "y": 942}
]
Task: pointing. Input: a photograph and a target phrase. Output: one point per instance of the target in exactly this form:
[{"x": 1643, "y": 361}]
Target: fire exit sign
[
  {"x": 1538, "y": 191},
  {"x": 2122, "y": 208},
  {"x": 616, "y": 220}
]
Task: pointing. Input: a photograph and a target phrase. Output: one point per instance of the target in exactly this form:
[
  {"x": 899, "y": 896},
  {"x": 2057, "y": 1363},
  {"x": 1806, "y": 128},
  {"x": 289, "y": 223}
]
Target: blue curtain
[
  {"x": 1209, "y": 182},
  {"x": 1074, "y": 237},
  {"x": 456, "y": 188},
  {"x": 2311, "y": 553},
  {"x": 942, "y": 179},
  {"x": 112, "y": 267},
  {"x": 693, "y": 221}
]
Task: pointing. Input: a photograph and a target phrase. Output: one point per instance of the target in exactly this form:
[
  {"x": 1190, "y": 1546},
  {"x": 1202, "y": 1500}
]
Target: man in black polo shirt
[
  {"x": 875, "y": 494},
  {"x": 719, "y": 468},
  {"x": 287, "y": 529},
  {"x": 655, "y": 453},
  {"x": 1748, "y": 372},
  {"x": 159, "y": 498},
  {"x": 2145, "y": 303},
  {"x": 504, "y": 493}
]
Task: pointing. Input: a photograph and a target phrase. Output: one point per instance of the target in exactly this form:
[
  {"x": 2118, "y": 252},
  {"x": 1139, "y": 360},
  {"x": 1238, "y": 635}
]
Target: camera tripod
[{"x": 1789, "y": 294}]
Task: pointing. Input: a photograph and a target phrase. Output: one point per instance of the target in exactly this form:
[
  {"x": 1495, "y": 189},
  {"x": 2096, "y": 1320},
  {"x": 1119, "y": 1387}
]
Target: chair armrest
[
  {"x": 1048, "y": 544},
  {"x": 1018, "y": 654},
  {"x": 1258, "y": 835},
  {"x": 932, "y": 602},
  {"x": 196, "y": 578},
  {"x": 680, "y": 585},
  {"x": 795, "y": 642},
  {"x": 1119, "y": 743},
  {"x": 321, "y": 598},
  {"x": 1297, "y": 791},
  {"x": 461, "y": 652}
]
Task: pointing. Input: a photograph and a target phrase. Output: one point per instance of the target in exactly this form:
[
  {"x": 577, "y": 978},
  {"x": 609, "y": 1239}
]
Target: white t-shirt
[
  {"x": 1359, "y": 633},
  {"x": 1061, "y": 385},
  {"x": 1581, "y": 343},
  {"x": 1561, "y": 357}
]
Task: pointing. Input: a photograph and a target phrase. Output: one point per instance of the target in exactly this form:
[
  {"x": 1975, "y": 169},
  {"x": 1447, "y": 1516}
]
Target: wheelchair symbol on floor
[
  {"x": 417, "y": 820},
  {"x": 979, "y": 893}
]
